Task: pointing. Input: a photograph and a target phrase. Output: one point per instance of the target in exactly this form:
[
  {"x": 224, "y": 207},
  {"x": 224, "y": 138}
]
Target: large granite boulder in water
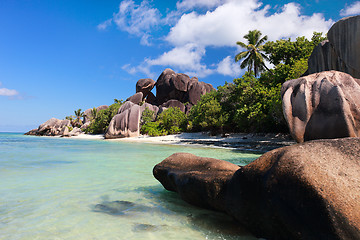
[
  {"x": 52, "y": 127},
  {"x": 305, "y": 191},
  {"x": 322, "y": 105},
  {"x": 341, "y": 51},
  {"x": 199, "y": 181},
  {"x": 127, "y": 122}
]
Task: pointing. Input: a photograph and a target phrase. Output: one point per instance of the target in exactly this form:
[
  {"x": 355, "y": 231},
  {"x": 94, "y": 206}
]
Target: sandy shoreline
[{"x": 239, "y": 141}]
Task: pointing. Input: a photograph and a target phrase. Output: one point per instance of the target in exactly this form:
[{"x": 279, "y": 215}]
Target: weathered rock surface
[
  {"x": 88, "y": 113},
  {"x": 151, "y": 99},
  {"x": 199, "y": 181},
  {"x": 196, "y": 89},
  {"x": 179, "y": 86},
  {"x": 174, "y": 103},
  {"x": 341, "y": 52},
  {"x": 136, "y": 98},
  {"x": 145, "y": 86},
  {"x": 305, "y": 191},
  {"x": 127, "y": 122},
  {"x": 52, "y": 127},
  {"x": 322, "y": 105}
]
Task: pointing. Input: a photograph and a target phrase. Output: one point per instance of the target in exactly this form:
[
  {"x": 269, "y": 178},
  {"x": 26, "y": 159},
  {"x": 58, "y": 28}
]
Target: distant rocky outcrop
[
  {"x": 322, "y": 106},
  {"x": 172, "y": 90},
  {"x": 341, "y": 51},
  {"x": 305, "y": 191},
  {"x": 52, "y": 127},
  {"x": 88, "y": 113}
]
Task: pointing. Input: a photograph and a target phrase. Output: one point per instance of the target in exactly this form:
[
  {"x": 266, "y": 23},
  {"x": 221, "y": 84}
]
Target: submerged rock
[
  {"x": 322, "y": 105},
  {"x": 305, "y": 191}
]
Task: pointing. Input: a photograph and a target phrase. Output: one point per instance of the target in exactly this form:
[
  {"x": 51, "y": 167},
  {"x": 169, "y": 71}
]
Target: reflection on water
[{"x": 55, "y": 188}]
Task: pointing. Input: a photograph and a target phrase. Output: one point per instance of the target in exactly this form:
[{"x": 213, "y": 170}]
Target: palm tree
[
  {"x": 254, "y": 58},
  {"x": 78, "y": 115}
]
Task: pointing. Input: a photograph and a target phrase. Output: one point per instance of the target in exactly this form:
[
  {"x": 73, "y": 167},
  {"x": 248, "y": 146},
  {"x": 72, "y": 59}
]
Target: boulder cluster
[
  {"x": 310, "y": 190},
  {"x": 172, "y": 90},
  {"x": 305, "y": 191},
  {"x": 326, "y": 103}
]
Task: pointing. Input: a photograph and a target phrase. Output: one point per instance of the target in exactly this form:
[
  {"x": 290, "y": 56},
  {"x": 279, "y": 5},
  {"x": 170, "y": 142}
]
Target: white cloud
[
  {"x": 191, "y": 4},
  {"x": 8, "y": 92},
  {"x": 104, "y": 25},
  {"x": 228, "y": 67},
  {"x": 138, "y": 20},
  {"x": 225, "y": 25},
  {"x": 225, "y": 22},
  {"x": 352, "y": 9}
]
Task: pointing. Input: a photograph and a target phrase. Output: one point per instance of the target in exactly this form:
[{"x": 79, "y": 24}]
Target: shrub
[
  {"x": 170, "y": 121},
  {"x": 102, "y": 119},
  {"x": 207, "y": 114}
]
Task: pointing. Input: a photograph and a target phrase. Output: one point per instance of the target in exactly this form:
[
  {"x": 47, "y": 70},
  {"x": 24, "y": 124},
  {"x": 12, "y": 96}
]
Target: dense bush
[
  {"x": 101, "y": 119},
  {"x": 207, "y": 114},
  {"x": 170, "y": 121}
]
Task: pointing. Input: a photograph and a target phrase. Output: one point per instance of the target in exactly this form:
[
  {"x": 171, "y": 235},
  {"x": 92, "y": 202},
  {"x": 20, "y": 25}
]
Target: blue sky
[{"x": 58, "y": 56}]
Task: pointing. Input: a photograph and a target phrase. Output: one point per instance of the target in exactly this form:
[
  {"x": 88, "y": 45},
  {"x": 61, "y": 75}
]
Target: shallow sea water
[{"x": 58, "y": 188}]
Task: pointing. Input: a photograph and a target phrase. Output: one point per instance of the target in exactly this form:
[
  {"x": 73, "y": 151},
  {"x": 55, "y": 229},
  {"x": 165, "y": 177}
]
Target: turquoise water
[{"x": 58, "y": 188}]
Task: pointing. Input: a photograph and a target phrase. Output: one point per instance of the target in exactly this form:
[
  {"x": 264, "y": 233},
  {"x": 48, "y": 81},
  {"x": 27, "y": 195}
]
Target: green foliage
[
  {"x": 287, "y": 51},
  {"x": 147, "y": 116},
  {"x": 170, "y": 121},
  {"x": 251, "y": 106},
  {"x": 70, "y": 128},
  {"x": 78, "y": 122},
  {"x": 253, "y": 55},
  {"x": 102, "y": 119},
  {"x": 207, "y": 114}
]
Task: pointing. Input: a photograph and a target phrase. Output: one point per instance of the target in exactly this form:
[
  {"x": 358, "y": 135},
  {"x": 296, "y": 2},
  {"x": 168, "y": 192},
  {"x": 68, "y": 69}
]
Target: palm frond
[
  {"x": 241, "y": 44},
  {"x": 241, "y": 55}
]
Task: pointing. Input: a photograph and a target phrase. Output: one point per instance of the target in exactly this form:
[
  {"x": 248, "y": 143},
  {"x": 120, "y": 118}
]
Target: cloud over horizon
[{"x": 193, "y": 31}]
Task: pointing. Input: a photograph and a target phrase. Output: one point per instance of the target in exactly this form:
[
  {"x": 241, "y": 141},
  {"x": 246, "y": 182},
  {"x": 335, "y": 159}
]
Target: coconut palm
[
  {"x": 78, "y": 115},
  {"x": 253, "y": 57}
]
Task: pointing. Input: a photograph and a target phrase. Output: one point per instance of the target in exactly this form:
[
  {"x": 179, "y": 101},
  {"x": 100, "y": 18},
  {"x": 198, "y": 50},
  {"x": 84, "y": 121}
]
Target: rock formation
[
  {"x": 145, "y": 86},
  {"x": 127, "y": 122},
  {"x": 51, "y": 127},
  {"x": 305, "y": 191},
  {"x": 341, "y": 51},
  {"x": 136, "y": 98},
  {"x": 173, "y": 90},
  {"x": 322, "y": 105},
  {"x": 179, "y": 86},
  {"x": 173, "y": 103},
  {"x": 199, "y": 181}
]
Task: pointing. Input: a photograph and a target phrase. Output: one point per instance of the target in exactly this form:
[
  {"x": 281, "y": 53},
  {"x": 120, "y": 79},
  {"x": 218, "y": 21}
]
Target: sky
[{"x": 59, "y": 56}]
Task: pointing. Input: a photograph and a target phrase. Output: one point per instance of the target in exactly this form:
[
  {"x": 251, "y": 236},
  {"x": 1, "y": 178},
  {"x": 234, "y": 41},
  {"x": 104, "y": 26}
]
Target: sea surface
[{"x": 61, "y": 188}]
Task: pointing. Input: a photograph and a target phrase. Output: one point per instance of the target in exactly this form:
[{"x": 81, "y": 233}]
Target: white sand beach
[{"x": 241, "y": 141}]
